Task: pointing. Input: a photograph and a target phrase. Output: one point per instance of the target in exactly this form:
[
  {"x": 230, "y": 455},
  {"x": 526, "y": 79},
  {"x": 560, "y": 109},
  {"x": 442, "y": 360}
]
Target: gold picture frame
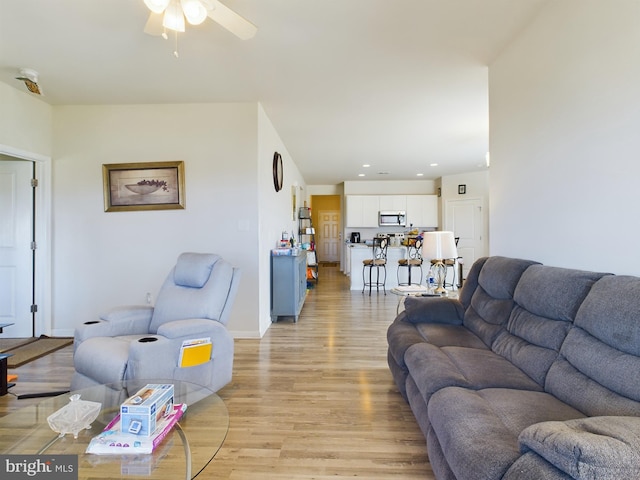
[{"x": 143, "y": 186}]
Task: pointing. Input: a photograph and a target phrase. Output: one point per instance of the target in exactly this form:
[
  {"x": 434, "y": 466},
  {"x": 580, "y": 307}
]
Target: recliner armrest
[
  {"x": 606, "y": 448},
  {"x": 190, "y": 328},
  {"x": 129, "y": 313},
  {"x": 128, "y": 320},
  {"x": 433, "y": 310}
]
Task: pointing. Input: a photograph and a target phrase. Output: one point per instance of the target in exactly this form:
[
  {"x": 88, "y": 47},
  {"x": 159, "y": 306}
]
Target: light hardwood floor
[{"x": 310, "y": 400}]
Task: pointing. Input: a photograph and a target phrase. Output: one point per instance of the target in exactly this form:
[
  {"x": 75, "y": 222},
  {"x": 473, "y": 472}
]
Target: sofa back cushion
[
  {"x": 547, "y": 300},
  {"x": 197, "y": 287},
  {"x": 597, "y": 369},
  {"x": 489, "y": 307},
  {"x": 471, "y": 282}
]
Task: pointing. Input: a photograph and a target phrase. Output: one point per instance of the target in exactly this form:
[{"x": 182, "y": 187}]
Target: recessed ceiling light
[
  {"x": 366, "y": 165},
  {"x": 361, "y": 174},
  {"x": 433, "y": 164},
  {"x": 419, "y": 174}
]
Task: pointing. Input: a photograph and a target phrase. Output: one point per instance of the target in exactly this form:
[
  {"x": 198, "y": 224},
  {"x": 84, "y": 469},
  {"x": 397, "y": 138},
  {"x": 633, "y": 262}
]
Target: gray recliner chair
[{"x": 144, "y": 342}]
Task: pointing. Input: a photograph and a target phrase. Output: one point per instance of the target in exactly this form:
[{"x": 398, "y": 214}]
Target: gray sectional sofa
[{"x": 532, "y": 374}]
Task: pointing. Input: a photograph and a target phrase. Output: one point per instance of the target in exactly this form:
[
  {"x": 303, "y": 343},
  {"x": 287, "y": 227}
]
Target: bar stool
[
  {"x": 451, "y": 263},
  {"x": 414, "y": 259},
  {"x": 378, "y": 261}
]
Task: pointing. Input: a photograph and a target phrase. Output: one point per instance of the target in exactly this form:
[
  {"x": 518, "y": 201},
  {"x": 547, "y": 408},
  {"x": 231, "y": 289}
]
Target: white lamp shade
[
  {"x": 156, "y": 6},
  {"x": 439, "y": 246},
  {"x": 173, "y": 17},
  {"x": 194, "y": 10}
]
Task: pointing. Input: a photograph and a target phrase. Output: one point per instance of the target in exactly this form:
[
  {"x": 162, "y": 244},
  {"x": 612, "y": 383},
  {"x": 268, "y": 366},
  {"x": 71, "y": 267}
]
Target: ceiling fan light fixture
[
  {"x": 194, "y": 10},
  {"x": 157, "y": 6},
  {"x": 173, "y": 17}
]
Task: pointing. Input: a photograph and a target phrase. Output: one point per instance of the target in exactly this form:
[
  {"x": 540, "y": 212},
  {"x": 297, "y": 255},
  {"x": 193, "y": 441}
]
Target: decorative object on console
[{"x": 437, "y": 247}]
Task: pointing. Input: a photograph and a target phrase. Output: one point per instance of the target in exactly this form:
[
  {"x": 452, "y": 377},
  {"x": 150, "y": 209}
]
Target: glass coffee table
[{"x": 184, "y": 453}]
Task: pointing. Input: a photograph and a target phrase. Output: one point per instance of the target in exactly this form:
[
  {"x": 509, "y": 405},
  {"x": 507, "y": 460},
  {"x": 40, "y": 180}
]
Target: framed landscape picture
[{"x": 143, "y": 186}]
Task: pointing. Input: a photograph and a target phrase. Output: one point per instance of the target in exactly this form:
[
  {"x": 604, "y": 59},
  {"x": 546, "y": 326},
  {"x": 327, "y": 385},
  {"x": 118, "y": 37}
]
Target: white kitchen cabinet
[
  {"x": 362, "y": 211},
  {"x": 422, "y": 210},
  {"x": 393, "y": 203}
]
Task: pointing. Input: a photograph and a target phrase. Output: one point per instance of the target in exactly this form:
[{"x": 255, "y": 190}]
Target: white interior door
[
  {"x": 327, "y": 236},
  {"x": 16, "y": 256},
  {"x": 465, "y": 218}
]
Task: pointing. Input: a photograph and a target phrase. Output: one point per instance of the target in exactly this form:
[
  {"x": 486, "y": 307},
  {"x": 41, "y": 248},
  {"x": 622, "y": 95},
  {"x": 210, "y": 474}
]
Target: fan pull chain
[{"x": 175, "y": 52}]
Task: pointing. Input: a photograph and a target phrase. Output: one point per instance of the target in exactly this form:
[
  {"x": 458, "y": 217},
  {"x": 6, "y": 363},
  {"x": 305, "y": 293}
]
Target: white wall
[
  {"x": 105, "y": 259},
  {"x": 26, "y": 133},
  {"x": 564, "y": 138},
  {"x": 25, "y": 121},
  {"x": 275, "y": 209}
]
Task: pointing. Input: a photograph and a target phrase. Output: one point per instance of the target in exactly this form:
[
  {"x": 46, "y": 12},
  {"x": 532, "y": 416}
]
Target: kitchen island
[{"x": 358, "y": 252}]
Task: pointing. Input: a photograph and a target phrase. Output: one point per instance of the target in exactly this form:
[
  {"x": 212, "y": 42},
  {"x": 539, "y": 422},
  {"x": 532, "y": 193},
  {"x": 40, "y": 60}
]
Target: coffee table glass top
[{"x": 184, "y": 453}]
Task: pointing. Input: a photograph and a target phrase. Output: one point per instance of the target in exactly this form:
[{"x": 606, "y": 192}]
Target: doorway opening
[
  {"x": 325, "y": 213},
  {"x": 25, "y": 287}
]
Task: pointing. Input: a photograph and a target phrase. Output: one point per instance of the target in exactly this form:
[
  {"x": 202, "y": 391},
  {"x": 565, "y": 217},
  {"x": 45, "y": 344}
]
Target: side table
[
  {"x": 4, "y": 383},
  {"x": 404, "y": 291},
  {"x": 409, "y": 290}
]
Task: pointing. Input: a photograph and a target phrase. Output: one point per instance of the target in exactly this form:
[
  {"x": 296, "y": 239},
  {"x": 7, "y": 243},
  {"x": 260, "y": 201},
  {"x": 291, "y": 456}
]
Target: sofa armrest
[
  {"x": 603, "y": 448},
  {"x": 130, "y": 320},
  {"x": 433, "y": 310}
]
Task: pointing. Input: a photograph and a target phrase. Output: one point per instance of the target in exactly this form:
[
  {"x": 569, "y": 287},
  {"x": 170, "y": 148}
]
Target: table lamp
[{"x": 438, "y": 246}]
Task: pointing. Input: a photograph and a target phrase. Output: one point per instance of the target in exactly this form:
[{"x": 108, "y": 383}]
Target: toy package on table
[{"x": 113, "y": 441}]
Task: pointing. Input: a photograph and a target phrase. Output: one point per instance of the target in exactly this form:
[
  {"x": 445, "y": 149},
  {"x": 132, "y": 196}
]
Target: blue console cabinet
[{"x": 288, "y": 284}]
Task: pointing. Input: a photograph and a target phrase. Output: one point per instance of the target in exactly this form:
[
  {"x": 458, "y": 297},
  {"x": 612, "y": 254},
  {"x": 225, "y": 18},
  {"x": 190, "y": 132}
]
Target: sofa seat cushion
[
  {"x": 531, "y": 466},
  {"x": 434, "y": 368},
  {"x": 402, "y": 334},
  {"x": 478, "y": 430}
]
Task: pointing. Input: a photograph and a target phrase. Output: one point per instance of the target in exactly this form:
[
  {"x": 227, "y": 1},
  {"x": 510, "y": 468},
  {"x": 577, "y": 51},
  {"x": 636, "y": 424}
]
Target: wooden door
[
  {"x": 328, "y": 236},
  {"x": 16, "y": 257},
  {"x": 465, "y": 219}
]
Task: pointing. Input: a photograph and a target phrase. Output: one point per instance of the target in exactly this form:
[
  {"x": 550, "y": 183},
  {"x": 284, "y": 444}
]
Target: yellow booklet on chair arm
[{"x": 195, "y": 352}]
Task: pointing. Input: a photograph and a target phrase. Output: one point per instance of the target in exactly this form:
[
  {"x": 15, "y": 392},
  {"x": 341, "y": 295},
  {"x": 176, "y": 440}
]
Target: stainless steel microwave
[{"x": 392, "y": 219}]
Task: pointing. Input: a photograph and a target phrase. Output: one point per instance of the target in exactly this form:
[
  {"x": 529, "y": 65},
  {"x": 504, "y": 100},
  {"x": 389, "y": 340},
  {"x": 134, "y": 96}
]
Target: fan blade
[
  {"x": 230, "y": 20},
  {"x": 154, "y": 24}
]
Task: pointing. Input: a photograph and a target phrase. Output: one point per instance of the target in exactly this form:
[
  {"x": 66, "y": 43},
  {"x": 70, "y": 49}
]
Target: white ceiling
[{"x": 397, "y": 84}]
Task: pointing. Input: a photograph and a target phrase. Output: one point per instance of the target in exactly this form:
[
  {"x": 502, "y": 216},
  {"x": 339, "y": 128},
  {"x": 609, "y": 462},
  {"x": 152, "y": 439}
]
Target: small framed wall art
[
  {"x": 462, "y": 189},
  {"x": 143, "y": 186}
]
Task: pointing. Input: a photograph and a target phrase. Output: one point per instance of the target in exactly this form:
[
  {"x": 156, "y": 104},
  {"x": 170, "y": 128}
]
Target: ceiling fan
[{"x": 171, "y": 14}]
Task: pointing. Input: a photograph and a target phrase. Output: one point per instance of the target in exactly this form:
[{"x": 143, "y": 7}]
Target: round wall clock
[{"x": 277, "y": 171}]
